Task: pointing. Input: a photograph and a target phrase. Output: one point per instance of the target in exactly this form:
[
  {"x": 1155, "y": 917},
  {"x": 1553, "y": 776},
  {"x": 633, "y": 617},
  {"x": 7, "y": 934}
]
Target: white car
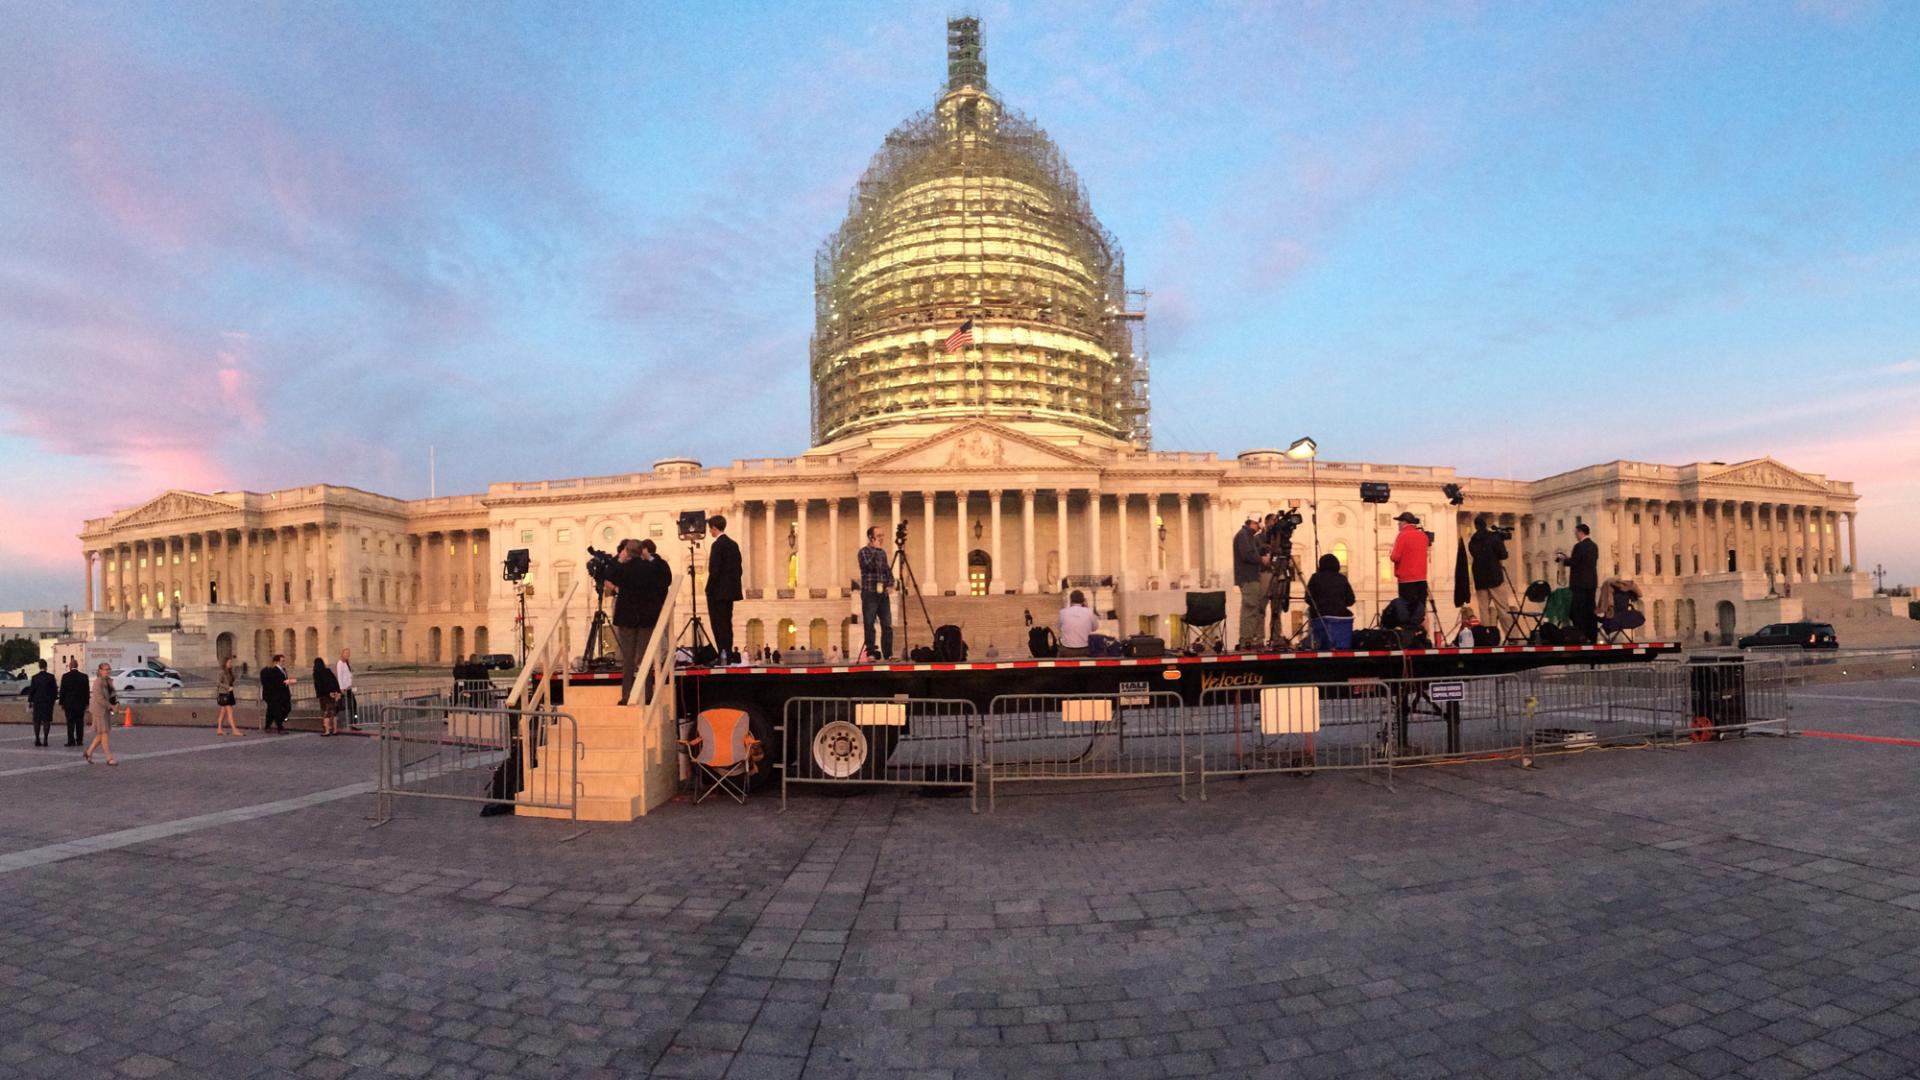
[
  {"x": 144, "y": 679},
  {"x": 12, "y": 683}
]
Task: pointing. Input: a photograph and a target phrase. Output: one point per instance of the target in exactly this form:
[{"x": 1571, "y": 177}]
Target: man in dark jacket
[
  {"x": 1487, "y": 560},
  {"x": 42, "y": 693},
  {"x": 723, "y": 583},
  {"x": 1583, "y": 581},
  {"x": 1330, "y": 596},
  {"x": 1251, "y": 578},
  {"x": 640, "y": 582},
  {"x": 276, "y": 689},
  {"x": 76, "y": 692}
]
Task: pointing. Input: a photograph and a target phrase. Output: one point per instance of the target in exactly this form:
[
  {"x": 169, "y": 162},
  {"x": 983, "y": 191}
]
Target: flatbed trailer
[{"x": 762, "y": 692}]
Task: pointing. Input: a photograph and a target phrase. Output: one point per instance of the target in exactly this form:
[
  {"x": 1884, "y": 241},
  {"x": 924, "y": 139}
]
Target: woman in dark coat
[
  {"x": 326, "y": 690},
  {"x": 1330, "y": 596}
]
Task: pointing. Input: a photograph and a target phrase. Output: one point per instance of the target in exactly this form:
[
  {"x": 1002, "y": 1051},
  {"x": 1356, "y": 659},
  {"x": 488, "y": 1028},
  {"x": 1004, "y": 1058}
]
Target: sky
[{"x": 262, "y": 245}]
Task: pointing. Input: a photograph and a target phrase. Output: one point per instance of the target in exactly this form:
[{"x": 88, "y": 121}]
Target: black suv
[{"x": 1791, "y": 635}]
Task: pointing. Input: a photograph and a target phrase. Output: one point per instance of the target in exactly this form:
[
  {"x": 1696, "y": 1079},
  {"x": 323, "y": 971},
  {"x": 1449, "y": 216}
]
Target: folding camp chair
[
  {"x": 1620, "y": 618},
  {"x": 724, "y": 753},
  {"x": 1205, "y": 621},
  {"x": 1522, "y": 624}
]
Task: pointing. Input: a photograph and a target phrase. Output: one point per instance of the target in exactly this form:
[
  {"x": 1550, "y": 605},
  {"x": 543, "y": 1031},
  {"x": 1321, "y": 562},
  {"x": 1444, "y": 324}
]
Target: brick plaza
[{"x": 223, "y": 908}]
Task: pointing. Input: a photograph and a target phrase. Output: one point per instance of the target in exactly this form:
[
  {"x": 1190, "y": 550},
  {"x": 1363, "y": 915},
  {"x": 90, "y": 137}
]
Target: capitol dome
[{"x": 969, "y": 218}]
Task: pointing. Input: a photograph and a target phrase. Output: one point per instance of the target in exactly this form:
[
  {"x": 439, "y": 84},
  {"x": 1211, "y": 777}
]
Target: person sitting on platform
[
  {"x": 1330, "y": 596},
  {"x": 1077, "y": 621}
]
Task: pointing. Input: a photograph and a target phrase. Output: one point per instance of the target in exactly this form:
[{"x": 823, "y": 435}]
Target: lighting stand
[{"x": 695, "y": 631}]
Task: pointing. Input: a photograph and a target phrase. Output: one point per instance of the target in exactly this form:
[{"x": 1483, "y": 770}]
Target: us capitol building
[{"x": 1021, "y": 459}]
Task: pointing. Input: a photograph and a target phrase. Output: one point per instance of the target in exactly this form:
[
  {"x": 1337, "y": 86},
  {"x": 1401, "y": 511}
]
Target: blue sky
[{"x": 264, "y": 245}]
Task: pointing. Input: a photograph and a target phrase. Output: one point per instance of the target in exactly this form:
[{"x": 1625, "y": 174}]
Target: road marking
[
  {"x": 1850, "y": 697},
  {"x": 1884, "y": 740},
  {"x": 77, "y": 763},
  {"x": 73, "y": 849}
]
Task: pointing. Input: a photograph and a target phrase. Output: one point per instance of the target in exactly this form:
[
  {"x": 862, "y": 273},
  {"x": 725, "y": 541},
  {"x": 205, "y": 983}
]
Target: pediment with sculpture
[
  {"x": 1768, "y": 474},
  {"x": 173, "y": 506},
  {"x": 978, "y": 447}
]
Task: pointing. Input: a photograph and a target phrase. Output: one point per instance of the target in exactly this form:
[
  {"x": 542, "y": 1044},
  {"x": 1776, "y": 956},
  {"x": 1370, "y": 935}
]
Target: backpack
[
  {"x": 1041, "y": 642},
  {"x": 948, "y": 645}
]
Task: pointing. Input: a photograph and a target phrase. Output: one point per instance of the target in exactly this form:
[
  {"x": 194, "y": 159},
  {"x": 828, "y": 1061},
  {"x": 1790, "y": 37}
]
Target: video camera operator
[
  {"x": 1276, "y": 544},
  {"x": 1250, "y": 577},
  {"x": 1486, "y": 560},
  {"x": 639, "y": 581}
]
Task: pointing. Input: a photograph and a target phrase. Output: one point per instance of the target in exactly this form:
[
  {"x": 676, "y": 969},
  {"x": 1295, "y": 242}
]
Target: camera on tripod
[
  {"x": 1504, "y": 532},
  {"x": 900, "y": 534},
  {"x": 600, "y": 564}
]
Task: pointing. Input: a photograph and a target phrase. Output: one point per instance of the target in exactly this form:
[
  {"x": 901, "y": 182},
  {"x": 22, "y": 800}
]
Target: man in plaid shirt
[{"x": 876, "y": 598}]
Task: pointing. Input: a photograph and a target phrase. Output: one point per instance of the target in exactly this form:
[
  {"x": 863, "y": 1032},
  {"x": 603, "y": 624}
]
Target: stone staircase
[{"x": 998, "y": 620}]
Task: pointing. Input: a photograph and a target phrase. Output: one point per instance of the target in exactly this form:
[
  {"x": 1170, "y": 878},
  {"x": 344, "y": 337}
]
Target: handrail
[
  {"x": 550, "y": 655},
  {"x": 657, "y": 670}
]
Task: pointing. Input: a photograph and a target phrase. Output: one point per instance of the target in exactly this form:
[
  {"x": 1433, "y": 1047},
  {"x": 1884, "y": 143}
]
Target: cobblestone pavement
[{"x": 1744, "y": 908}]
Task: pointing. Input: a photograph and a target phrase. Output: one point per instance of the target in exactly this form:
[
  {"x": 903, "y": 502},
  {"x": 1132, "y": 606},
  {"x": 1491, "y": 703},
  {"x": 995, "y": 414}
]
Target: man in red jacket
[{"x": 1409, "y": 557}]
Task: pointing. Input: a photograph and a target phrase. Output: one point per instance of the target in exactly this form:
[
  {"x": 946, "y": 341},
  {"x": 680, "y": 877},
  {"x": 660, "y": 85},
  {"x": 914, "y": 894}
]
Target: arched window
[
  {"x": 1340, "y": 552},
  {"x": 756, "y": 635},
  {"x": 788, "y": 635},
  {"x": 817, "y": 635}
]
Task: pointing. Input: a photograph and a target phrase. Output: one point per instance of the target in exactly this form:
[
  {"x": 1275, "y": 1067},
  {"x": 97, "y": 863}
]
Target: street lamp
[{"x": 1305, "y": 449}]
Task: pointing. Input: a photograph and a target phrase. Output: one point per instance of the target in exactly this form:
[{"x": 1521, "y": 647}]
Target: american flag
[{"x": 960, "y": 338}]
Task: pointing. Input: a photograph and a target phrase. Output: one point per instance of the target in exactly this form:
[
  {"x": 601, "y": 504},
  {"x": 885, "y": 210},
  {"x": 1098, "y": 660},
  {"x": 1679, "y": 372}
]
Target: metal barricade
[
  {"x": 1296, "y": 728},
  {"x": 1085, "y": 737},
  {"x": 528, "y": 760},
  {"x": 1574, "y": 709},
  {"x": 922, "y": 742},
  {"x": 1721, "y": 696}
]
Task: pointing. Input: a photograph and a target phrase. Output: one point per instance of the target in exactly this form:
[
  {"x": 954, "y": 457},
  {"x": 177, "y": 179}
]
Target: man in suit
[
  {"x": 1583, "y": 581},
  {"x": 42, "y": 693},
  {"x": 723, "y": 584},
  {"x": 276, "y": 689},
  {"x": 76, "y": 691},
  {"x": 1251, "y": 577},
  {"x": 639, "y": 584}
]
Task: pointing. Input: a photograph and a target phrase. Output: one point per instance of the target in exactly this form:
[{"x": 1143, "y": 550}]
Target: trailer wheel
[{"x": 839, "y": 750}]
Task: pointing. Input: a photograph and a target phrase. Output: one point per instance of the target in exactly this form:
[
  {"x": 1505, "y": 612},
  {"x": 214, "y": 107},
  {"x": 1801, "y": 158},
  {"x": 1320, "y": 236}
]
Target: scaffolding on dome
[{"x": 969, "y": 213}]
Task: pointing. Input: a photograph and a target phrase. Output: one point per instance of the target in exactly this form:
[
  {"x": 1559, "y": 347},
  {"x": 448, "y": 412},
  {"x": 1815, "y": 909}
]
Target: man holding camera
[
  {"x": 1486, "y": 559},
  {"x": 639, "y": 582},
  {"x": 1250, "y": 577}
]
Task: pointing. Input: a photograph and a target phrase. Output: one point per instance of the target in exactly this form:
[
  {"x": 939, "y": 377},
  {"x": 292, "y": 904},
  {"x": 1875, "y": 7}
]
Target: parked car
[
  {"x": 144, "y": 679},
  {"x": 498, "y": 661},
  {"x": 1793, "y": 635},
  {"x": 13, "y": 683}
]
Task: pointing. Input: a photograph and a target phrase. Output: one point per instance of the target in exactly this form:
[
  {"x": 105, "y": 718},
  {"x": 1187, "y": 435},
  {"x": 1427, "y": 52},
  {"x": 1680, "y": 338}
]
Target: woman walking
[
  {"x": 226, "y": 699},
  {"x": 326, "y": 691},
  {"x": 100, "y": 714}
]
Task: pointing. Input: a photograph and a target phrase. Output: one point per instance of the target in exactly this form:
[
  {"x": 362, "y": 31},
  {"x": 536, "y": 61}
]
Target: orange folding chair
[{"x": 724, "y": 753}]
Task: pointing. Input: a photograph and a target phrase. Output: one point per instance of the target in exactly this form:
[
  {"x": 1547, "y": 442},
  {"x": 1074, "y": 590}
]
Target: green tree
[{"x": 18, "y": 653}]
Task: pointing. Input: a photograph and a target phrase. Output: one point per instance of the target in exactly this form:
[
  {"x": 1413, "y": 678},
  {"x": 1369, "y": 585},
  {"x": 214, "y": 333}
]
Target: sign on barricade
[{"x": 1125, "y": 735}]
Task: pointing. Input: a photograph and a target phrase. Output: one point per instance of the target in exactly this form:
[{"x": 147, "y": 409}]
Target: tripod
[
  {"x": 694, "y": 631},
  {"x": 903, "y": 574},
  {"x": 600, "y": 643}
]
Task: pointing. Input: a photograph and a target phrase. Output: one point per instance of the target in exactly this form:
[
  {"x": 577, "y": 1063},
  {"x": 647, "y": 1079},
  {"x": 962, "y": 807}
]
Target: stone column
[
  {"x": 86, "y": 559},
  {"x": 1644, "y": 543},
  {"x": 1095, "y": 565},
  {"x": 1029, "y": 581},
  {"x": 962, "y": 571},
  {"x": 1187, "y": 546},
  {"x": 1817, "y": 548},
  {"x": 1062, "y": 498},
  {"x": 865, "y": 510},
  {"x": 899, "y": 515},
  {"x": 999, "y": 568},
  {"x": 1853, "y": 540},
  {"x": 1121, "y": 576},
  {"x": 801, "y": 582},
  {"x": 930, "y": 500},
  {"x": 835, "y": 571},
  {"x": 770, "y": 542}
]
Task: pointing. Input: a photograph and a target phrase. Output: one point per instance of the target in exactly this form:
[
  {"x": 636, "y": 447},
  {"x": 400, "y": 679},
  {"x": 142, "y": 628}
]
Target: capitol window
[
  {"x": 526, "y": 536},
  {"x": 563, "y": 536}
]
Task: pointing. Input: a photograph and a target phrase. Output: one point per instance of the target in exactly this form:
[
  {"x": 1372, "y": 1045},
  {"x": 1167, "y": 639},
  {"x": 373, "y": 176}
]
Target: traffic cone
[{"x": 128, "y": 722}]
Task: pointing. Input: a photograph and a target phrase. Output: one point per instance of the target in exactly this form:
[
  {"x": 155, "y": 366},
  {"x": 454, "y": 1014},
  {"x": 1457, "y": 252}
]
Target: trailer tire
[{"x": 849, "y": 752}]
